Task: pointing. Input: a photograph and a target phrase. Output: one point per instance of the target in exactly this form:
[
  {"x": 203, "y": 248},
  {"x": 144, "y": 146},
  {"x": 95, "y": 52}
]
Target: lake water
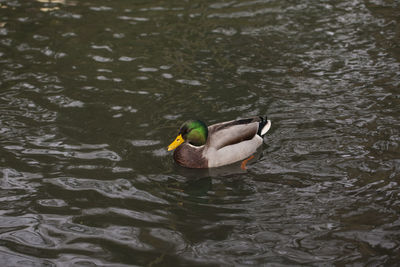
[{"x": 92, "y": 92}]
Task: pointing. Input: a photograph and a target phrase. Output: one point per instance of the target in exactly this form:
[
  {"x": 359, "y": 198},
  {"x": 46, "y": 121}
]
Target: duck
[{"x": 224, "y": 143}]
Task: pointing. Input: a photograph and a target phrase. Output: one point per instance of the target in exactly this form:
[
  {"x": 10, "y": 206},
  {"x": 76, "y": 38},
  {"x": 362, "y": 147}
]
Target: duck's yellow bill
[{"x": 177, "y": 142}]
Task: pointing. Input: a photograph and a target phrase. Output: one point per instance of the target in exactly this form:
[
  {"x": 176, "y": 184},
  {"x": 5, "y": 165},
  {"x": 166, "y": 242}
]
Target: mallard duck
[{"x": 199, "y": 146}]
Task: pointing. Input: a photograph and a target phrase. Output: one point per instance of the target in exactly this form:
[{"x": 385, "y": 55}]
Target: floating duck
[{"x": 199, "y": 146}]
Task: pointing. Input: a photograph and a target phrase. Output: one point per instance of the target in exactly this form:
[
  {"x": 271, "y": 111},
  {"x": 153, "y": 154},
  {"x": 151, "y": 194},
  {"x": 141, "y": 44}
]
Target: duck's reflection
[
  {"x": 196, "y": 174},
  {"x": 198, "y": 182}
]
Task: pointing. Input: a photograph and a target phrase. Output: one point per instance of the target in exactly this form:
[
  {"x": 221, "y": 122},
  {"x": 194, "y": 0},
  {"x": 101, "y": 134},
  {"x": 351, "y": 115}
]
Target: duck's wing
[{"x": 232, "y": 132}]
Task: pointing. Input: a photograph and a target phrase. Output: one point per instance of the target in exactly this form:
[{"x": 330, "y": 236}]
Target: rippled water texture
[{"x": 92, "y": 92}]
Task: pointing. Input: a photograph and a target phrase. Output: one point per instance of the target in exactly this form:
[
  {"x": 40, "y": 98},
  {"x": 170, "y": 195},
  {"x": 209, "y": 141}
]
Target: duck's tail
[{"x": 264, "y": 127}]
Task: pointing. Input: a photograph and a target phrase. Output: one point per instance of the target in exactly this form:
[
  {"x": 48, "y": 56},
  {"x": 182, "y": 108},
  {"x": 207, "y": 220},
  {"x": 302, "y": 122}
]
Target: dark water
[{"x": 92, "y": 92}]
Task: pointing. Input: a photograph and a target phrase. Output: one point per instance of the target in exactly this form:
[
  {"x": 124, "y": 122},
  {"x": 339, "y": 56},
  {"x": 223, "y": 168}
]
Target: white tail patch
[{"x": 266, "y": 128}]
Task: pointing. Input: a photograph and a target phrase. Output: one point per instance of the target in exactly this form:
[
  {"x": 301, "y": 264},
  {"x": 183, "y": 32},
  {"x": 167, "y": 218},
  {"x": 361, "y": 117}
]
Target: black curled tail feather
[{"x": 263, "y": 122}]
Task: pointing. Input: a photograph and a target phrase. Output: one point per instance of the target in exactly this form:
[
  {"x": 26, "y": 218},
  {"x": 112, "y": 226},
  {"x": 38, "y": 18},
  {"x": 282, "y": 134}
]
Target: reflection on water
[{"x": 91, "y": 93}]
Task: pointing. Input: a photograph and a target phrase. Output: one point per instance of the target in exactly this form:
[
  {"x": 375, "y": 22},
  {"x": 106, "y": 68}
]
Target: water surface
[{"x": 92, "y": 92}]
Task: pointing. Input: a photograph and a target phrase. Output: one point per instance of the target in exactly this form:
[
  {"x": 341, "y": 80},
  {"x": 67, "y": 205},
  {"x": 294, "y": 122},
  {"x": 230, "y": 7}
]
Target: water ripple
[{"x": 114, "y": 189}]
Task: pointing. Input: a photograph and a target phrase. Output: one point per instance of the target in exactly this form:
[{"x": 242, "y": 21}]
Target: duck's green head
[{"x": 194, "y": 131}]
